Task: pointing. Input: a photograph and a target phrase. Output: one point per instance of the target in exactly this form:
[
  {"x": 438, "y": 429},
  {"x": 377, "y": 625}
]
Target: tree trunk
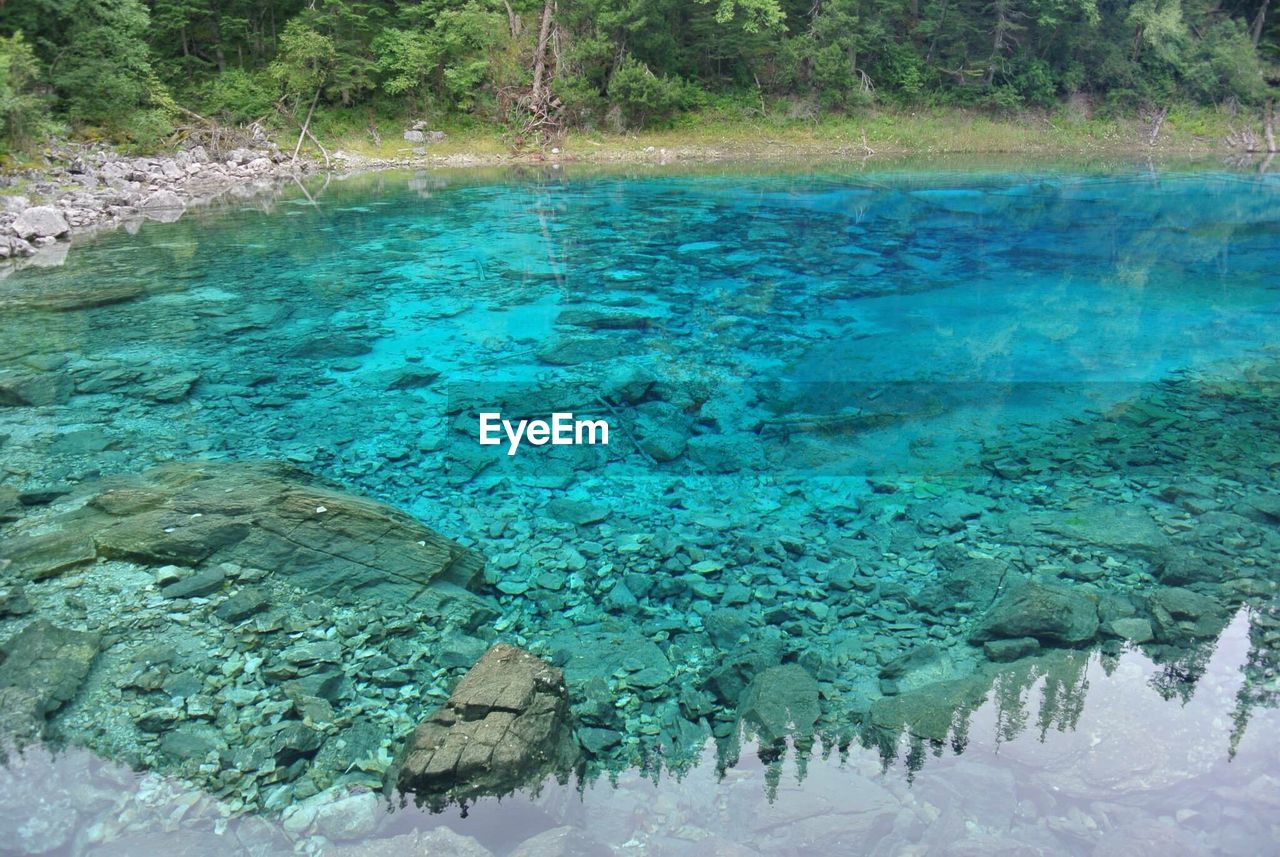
[
  {"x": 997, "y": 49},
  {"x": 1259, "y": 21},
  {"x": 218, "y": 54},
  {"x": 1157, "y": 122},
  {"x": 942, "y": 22},
  {"x": 513, "y": 20},
  {"x": 540, "y": 58}
]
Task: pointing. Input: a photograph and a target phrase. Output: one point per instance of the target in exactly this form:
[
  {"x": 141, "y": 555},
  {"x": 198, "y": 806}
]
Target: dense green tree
[
  {"x": 632, "y": 61},
  {"x": 104, "y": 74},
  {"x": 22, "y": 108},
  {"x": 444, "y": 57}
]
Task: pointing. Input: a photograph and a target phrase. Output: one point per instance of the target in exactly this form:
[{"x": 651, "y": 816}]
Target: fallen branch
[
  {"x": 1157, "y": 122},
  {"x": 305, "y": 125},
  {"x": 625, "y": 430},
  {"x": 320, "y": 146}
]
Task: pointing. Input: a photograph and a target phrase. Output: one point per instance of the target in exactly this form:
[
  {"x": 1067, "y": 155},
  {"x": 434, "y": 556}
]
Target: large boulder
[
  {"x": 41, "y": 221},
  {"x": 737, "y": 667},
  {"x": 162, "y": 199},
  {"x": 1126, "y": 528},
  {"x": 781, "y": 701},
  {"x": 575, "y": 350},
  {"x": 1180, "y": 613},
  {"x": 257, "y": 514},
  {"x": 930, "y": 713},
  {"x": 41, "y": 669},
  {"x": 605, "y": 653},
  {"x": 1049, "y": 612},
  {"x": 506, "y": 726},
  {"x": 962, "y": 578}
]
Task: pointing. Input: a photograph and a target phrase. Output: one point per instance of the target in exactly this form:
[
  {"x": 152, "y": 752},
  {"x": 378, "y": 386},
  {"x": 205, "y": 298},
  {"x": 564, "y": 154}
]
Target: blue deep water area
[{"x": 939, "y": 513}]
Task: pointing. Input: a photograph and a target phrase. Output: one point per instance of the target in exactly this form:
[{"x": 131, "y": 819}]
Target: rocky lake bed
[{"x": 253, "y": 557}]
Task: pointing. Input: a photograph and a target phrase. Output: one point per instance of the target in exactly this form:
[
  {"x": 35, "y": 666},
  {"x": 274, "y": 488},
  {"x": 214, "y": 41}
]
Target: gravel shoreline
[
  {"x": 90, "y": 188},
  {"x": 86, "y": 188}
]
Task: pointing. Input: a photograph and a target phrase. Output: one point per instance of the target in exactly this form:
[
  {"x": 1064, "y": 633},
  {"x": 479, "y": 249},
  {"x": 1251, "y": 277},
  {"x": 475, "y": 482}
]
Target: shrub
[
  {"x": 644, "y": 97},
  {"x": 237, "y": 95}
]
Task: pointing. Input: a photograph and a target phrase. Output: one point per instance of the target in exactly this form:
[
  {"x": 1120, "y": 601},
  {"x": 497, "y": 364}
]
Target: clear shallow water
[{"x": 851, "y": 414}]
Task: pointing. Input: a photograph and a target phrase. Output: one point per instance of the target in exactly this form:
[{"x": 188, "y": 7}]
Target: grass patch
[{"x": 771, "y": 133}]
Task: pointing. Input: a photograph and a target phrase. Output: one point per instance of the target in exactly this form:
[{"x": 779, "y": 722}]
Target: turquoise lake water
[{"x": 939, "y": 514}]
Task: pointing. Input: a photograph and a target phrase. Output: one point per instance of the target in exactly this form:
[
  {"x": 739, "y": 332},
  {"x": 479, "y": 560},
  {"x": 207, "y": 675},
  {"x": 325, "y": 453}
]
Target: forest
[{"x": 130, "y": 70}]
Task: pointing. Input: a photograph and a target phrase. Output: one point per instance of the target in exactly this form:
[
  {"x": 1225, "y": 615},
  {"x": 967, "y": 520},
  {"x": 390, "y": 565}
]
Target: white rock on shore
[{"x": 41, "y": 221}]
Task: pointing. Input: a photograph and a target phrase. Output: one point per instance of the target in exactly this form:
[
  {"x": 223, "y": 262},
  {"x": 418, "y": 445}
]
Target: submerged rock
[
  {"x": 48, "y": 663},
  {"x": 261, "y": 514},
  {"x": 10, "y": 504},
  {"x": 196, "y": 585},
  {"x": 575, "y": 350},
  {"x": 48, "y": 554},
  {"x": 1048, "y": 612},
  {"x": 243, "y": 604},
  {"x": 1128, "y": 528},
  {"x": 1133, "y": 629},
  {"x": 14, "y": 601},
  {"x": 962, "y": 578},
  {"x": 1003, "y": 651},
  {"x": 738, "y": 666},
  {"x": 505, "y": 726},
  {"x": 338, "y": 814},
  {"x": 594, "y": 318},
  {"x": 438, "y": 841},
  {"x": 930, "y": 712},
  {"x": 331, "y": 346},
  {"x": 727, "y": 453},
  {"x": 614, "y": 654},
  {"x": 1183, "y": 613},
  {"x": 780, "y": 702},
  {"x": 563, "y": 841},
  {"x": 33, "y": 389},
  {"x": 579, "y": 512}
]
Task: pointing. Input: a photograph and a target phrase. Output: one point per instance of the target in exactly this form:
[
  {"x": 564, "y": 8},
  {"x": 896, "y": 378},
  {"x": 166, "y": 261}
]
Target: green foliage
[
  {"x": 1224, "y": 61},
  {"x": 1035, "y": 82},
  {"x": 305, "y": 60},
  {"x": 103, "y": 75},
  {"x": 584, "y": 105},
  {"x": 755, "y": 15},
  {"x": 1158, "y": 25},
  {"x": 236, "y": 95},
  {"x": 901, "y": 72},
  {"x": 644, "y": 97},
  {"x": 449, "y": 60},
  {"x": 22, "y": 110}
]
